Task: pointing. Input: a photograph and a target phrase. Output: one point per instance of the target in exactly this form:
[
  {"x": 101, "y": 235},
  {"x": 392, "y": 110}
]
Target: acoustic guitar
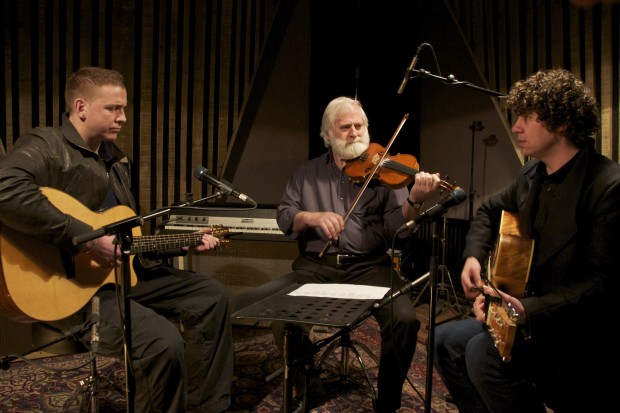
[
  {"x": 509, "y": 269},
  {"x": 39, "y": 282}
]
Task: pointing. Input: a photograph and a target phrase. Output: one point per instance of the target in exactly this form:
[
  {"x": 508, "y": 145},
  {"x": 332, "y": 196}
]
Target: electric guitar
[
  {"x": 39, "y": 282},
  {"x": 509, "y": 269}
]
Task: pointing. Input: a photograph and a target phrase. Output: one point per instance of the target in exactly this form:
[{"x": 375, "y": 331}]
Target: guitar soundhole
[{"x": 67, "y": 262}]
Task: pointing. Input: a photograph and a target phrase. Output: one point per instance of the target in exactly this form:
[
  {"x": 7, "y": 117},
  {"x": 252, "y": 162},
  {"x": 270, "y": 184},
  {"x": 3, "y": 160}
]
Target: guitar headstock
[
  {"x": 502, "y": 324},
  {"x": 220, "y": 231}
]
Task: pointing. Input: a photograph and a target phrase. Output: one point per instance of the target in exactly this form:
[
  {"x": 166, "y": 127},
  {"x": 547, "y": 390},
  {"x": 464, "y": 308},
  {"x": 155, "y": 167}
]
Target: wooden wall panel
[
  {"x": 189, "y": 66},
  {"x": 194, "y": 69},
  {"x": 511, "y": 39}
]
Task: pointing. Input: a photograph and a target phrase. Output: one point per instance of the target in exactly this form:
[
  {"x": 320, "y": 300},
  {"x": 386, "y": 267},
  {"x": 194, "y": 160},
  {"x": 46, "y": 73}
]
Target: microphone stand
[
  {"x": 124, "y": 236},
  {"x": 433, "y": 214},
  {"x": 430, "y": 343},
  {"x": 476, "y": 126},
  {"x": 451, "y": 80},
  {"x": 123, "y": 232}
]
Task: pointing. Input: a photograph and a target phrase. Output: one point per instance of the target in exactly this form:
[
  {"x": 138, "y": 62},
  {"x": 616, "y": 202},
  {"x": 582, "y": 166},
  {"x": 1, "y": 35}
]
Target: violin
[
  {"x": 375, "y": 162},
  {"x": 396, "y": 171}
]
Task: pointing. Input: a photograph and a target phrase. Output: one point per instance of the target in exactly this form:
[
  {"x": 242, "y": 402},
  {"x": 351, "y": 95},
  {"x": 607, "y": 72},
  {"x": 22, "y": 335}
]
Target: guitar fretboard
[{"x": 161, "y": 242}]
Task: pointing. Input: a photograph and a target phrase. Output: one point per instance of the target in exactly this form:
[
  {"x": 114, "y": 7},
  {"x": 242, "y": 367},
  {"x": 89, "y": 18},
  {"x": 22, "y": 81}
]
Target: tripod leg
[
  {"x": 84, "y": 389},
  {"x": 69, "y": 402},
  {"x": 94, "y": 385},
  {"x": 456, "y": 299},
  {"x": 330, "y": 349},
  {"x": 364, "y": 369},
  {"x": 107, "y": 382},
  {"x": 420, "y": 295},
  {"x": 366, "y": 349},
  {"x": 442, "y": 286}
]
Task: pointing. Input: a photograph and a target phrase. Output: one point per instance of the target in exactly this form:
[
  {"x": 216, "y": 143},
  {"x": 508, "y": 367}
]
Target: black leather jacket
[{"x": 58, "y": 158}]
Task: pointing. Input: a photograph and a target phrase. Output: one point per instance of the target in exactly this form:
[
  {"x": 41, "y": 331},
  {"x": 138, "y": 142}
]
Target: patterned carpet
[{"x": 24, "y": 388}]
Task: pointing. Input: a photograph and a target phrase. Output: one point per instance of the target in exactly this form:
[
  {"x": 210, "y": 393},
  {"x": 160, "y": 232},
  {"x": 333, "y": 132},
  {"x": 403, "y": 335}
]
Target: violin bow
[{"x": 368, "y": 178}]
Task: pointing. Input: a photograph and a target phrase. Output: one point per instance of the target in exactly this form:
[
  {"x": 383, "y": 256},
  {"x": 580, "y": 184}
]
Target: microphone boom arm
[{"x": 450, "y": 80}]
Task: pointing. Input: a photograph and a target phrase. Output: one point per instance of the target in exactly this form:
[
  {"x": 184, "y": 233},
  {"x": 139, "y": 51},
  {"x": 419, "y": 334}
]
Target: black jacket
[
  {"x": 574, "y": 277},
  {"x": 57, "y": 158}
]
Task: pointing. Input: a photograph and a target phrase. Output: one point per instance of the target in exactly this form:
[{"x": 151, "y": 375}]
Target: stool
[
  {"x": 43, "y": 333},
  {"x": 347, "y": 345}
]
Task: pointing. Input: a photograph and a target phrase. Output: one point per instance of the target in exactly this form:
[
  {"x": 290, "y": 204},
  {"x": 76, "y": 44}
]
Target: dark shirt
[
  {"x": 549, "y": 197},
  {"x": 320, "y": 186}
]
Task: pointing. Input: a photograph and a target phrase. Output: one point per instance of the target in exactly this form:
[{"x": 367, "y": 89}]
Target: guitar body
[
  {"x": 40, "y": 283},
  {"x": 512, "y": 258},
  {"x": 509, "y": 271}
]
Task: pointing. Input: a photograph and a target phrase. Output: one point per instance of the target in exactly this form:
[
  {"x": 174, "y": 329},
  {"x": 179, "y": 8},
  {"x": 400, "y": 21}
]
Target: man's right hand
[
  {"x": 331, "y": 223},
  {"x": 106, "y": 252},
  {"x": 470, "y": 278}
]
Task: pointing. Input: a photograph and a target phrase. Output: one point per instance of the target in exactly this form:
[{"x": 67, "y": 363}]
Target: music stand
[
  {"x": 343, "y": 313},
  {"x": 321, "y": 311}
]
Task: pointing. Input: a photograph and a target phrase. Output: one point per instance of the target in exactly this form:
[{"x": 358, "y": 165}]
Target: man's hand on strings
[
  {"x": 208, "y": 242},
  {"x": 479, "y": 307},
  {"x": 487, "y": 293},
  {"x": 104, "y": 251},
  {"x": 471, "y": 279},
  {"x": 507, "y": 300}
]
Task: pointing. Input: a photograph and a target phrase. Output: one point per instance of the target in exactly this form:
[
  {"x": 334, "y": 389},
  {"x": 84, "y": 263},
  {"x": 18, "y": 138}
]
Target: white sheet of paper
[{"x": 349, "y": 291}]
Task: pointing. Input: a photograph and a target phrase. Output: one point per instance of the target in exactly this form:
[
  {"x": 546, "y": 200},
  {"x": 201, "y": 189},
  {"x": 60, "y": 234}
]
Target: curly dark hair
[{"x": 559, "y": 99}]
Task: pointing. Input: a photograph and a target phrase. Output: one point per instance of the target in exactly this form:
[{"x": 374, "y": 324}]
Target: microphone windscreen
[{"x": 198, "y": 171}]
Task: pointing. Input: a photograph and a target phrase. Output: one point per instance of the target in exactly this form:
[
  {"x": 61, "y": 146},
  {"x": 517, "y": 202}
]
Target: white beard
[{"x": 350, "y": 150}]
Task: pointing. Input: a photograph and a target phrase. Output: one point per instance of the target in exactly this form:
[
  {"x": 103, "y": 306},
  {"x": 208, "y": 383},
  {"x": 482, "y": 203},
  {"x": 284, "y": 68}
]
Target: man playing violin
[{"x": 312, "y": 210}]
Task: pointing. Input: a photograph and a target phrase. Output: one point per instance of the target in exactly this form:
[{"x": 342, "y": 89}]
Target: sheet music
[{"x": 349, "y": 291}]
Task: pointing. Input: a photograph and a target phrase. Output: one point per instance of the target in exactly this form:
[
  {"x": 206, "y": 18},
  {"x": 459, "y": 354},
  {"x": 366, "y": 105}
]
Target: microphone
[
  {"x": 203, "y": 174},
  {"x": 456, "y": 197},
  {"x": 414, "y": 62},
  {"x": 94, "y": 328}
]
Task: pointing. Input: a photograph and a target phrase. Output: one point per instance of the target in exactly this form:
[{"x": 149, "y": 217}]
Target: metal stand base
[
  {"x": 445, "y": 290},
  {"x": 348, "y": 345},
  {"x": 340, "y": 313},
  {"x": 446, "y": 294},
  {"x": 89, "y": 390}
]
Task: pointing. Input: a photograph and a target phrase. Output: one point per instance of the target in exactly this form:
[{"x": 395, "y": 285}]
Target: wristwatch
[{"x": 417, "y": 204}]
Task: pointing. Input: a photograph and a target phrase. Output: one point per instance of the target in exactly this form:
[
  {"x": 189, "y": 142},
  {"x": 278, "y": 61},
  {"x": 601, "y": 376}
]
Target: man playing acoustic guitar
[
  {"x": 567, "y": 200},
  {"x": 181, "y": 335}
]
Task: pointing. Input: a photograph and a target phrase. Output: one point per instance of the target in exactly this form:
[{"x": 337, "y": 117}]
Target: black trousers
[{"x": 182, "y": 353}]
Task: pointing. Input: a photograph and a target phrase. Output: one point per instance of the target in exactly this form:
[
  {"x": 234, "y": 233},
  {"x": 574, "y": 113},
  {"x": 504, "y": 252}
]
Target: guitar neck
[{"x": 162, "y": 242}]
